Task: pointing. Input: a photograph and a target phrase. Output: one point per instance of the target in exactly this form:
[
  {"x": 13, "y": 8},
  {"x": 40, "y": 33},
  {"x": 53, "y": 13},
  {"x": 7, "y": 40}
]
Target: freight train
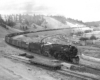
[{"x": 67, "y": 53}]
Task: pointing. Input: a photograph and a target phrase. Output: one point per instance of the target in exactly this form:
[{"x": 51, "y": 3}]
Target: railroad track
[
  {"x": 65, "y": 70},
  {"x": 62, "y": 71}
]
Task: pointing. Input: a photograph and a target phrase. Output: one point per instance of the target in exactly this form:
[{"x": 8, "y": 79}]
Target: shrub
[
  {"x": 84, "y": 38},
  {"x": 79, "y": 33},
  {"x": 93, "y": 37},
  {"x": 87, "y": 31}
]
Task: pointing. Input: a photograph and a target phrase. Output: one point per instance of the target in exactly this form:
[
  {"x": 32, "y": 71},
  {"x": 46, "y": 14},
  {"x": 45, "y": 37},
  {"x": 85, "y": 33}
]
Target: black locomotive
[{"x": 57, "y": 51}]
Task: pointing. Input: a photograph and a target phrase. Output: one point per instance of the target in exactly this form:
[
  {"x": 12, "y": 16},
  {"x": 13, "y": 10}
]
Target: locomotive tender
[{"x": 67, "y": 53}]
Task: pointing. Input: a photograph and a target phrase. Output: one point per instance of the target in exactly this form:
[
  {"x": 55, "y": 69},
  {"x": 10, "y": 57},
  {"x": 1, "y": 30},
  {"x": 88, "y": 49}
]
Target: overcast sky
[{"x": 85, "y": 10}]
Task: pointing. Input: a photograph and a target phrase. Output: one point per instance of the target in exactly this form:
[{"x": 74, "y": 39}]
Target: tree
[
  {"x": 84, "y": 38},
  {"x": 79, "y": 33},
  {"x": 87, "y": 31},
  {"x": 10, "y": 23},
  {"x": 1, "y": 20},
  {"x": 93, "y": 37}
]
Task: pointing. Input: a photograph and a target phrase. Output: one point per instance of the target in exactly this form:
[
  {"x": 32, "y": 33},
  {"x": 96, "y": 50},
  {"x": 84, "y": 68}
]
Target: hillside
[
  {"x": 39, "y": 22},
  {"x": 50, "y": 23},
  {"x": 62, "y": 19},
  {"x": 25, "y": 27},
  {"x": 3, "y": 32},
  {"x": 75, "y": 21},
  {"x": 35, "y": 27}
]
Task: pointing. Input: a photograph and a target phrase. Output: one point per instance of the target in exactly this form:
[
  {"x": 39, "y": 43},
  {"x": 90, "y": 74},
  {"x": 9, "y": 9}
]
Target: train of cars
[{"x": 61, "y": 52}]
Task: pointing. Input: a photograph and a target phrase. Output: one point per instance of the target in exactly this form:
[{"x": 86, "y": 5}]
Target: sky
[{"x": 85, "y": 10}]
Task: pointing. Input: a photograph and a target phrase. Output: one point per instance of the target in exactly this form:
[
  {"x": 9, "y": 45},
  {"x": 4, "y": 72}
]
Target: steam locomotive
[{"x": 61, "y": 52}]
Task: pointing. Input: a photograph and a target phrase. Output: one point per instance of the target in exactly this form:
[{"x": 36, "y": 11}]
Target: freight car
[{"x": 61, "y": 52}]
